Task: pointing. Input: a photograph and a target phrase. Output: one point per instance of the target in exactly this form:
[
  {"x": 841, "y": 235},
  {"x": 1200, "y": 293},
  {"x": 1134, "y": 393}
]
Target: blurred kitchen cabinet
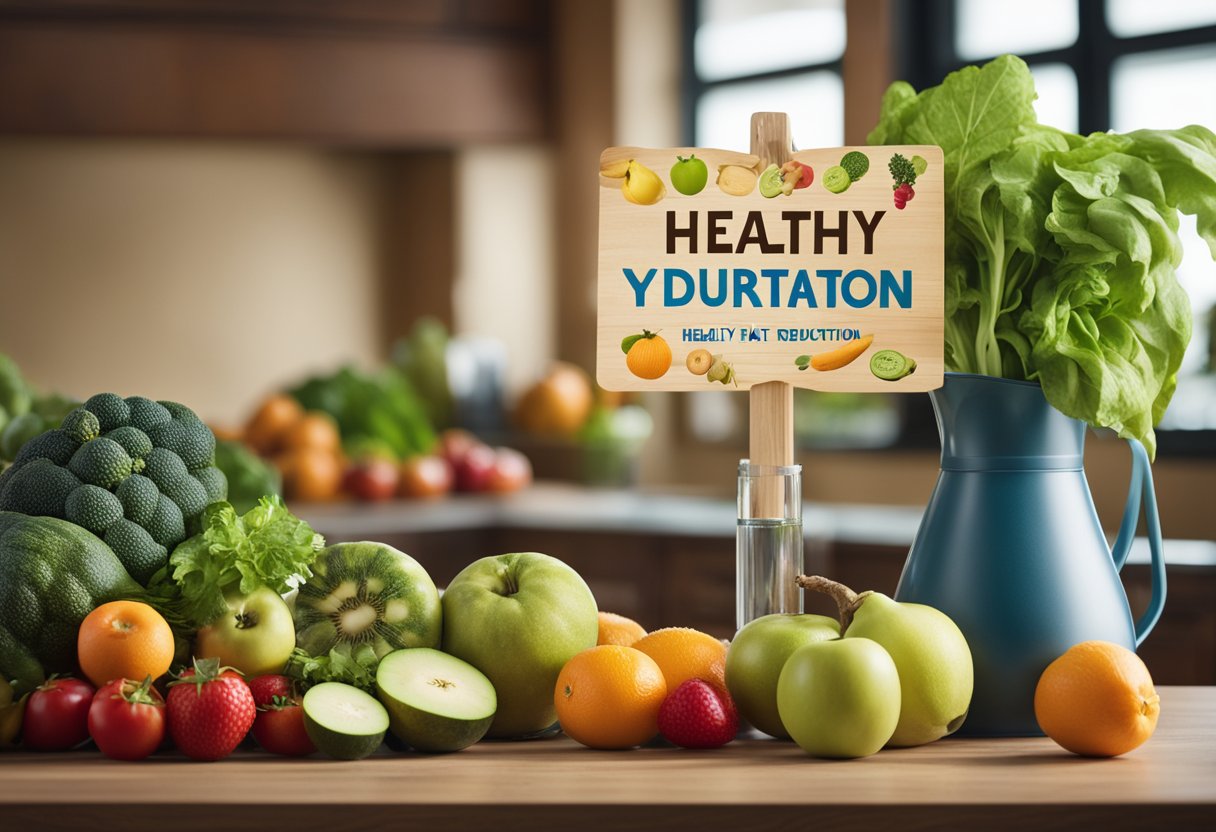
[{"x": 362, "y": 73}]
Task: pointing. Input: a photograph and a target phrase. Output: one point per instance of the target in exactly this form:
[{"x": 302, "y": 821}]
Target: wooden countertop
[{"x": 1014, "y": 784}]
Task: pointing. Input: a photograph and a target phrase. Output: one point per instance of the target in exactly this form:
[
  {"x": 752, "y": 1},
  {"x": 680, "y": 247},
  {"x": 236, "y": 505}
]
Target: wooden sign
[{"x": 821, "y": 269}]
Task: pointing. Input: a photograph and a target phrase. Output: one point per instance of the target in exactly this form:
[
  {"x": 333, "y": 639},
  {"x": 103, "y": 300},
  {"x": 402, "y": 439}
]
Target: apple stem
[{"x": 847, "y": 601}]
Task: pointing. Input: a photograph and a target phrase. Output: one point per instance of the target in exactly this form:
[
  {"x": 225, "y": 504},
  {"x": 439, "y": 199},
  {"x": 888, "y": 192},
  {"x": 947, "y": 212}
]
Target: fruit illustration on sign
[
  {"x": 836, "y": 179},
  {"x": 756, "y": 656},
  {"x": 842, "y": 356},
  {"x": 800, "y": 173},
  {"x": 435, "y": 702},
  {"x": 689, "y": 175},
  {"x": 736, "y": 180},
  {"x": 1097, "y": 700},
  {"x": 639, "y": 184},
  {"x": 934, "y": 662},
  {"x": 256, "y": 635},
  {"x": 721, "y": 371},
  {"x": 518, "y": 618},
  {"x": 817, "y": 712},
  {"x": 647, "y": 355},
  {"x": 890, "y": 365},
  {"x": 699, "y": 361},
  {"x": 367, "y": 594}
]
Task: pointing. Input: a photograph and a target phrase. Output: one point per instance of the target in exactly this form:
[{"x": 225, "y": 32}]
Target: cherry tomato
[
  {"x": 127, "y": 719},
  {"x": 57, "y": 715},
  {"x": 279, "y": 725}
]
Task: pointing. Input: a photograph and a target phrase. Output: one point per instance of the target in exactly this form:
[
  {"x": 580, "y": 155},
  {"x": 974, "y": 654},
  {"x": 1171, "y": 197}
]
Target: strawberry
[
  {"x": 279, "y": 726},
  {"x": 698, "y": 715},
  {"x": 209, "y": 710}
]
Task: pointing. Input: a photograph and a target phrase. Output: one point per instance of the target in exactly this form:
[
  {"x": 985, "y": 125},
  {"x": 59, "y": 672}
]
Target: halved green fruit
[
  {"x": 770, "y": 182},
  {"x": 836, "y": 179},
  {"x": 891, "y": 365},
  {"x": 343, "y": 721},
  {"x": 435, "y": 702},
  {"x": 367, "y": 594}
]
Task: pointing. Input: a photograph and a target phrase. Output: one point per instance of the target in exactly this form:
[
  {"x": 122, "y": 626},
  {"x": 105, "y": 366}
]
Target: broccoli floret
[
  {"x": 139, "y": 496},
  {"x": 39, "y": 488},
  {"x": 164, "y": 468},
  {"x": 81, "y": 425},
  {"x": 178, "y": 411},
  {"x": 140, "y": 554},
  {"x": 54, "y": 445},
  {"x": 855, "y": 164},
  {"x": 147, "y": 414},
  {"x": 901, "y": 171},
  {"x": 166, "y": 524},
  {"x": 110, "y": 409},
  {"x": 101, "y": 462},
  {"x": 214, "y": 483},
  {"x": 189, "y": 438},
  {"x": 188, "y": 493},
  {"x": 134, "y": 440},
  {"x": 93, "y": 508}
]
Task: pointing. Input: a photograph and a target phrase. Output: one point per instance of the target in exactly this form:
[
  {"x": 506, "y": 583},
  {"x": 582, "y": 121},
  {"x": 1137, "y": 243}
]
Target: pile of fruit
[{"x": 318, "y": 464}]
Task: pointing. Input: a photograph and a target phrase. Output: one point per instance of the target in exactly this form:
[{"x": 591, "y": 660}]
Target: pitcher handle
[{"x": 1141, "y": 490}]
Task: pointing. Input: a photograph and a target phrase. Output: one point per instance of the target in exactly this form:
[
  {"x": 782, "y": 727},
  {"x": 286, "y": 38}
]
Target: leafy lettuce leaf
[
  {"x": 1060, "y": 249},
  {"x": 266, "y": 546}
]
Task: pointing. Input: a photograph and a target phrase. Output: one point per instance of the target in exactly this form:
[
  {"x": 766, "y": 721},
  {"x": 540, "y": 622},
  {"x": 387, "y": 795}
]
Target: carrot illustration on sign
[
  {"x": 837, "y": 358},
  {"x": 647, "y": 355}
]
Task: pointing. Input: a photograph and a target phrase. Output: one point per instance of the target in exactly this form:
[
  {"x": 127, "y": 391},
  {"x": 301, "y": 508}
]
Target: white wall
[{"x": 203, "y": 272}]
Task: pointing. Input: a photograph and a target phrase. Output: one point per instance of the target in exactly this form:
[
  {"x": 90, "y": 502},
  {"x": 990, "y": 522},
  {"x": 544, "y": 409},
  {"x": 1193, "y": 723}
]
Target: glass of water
[{"x": 768, "y": 541}]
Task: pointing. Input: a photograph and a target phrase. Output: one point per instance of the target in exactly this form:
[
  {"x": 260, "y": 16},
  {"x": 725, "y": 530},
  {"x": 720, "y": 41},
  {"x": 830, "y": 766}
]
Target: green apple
[
  {"x": 755, "y": 659},
  {"x": 256, "y": 635},
  {"x": 518, "y": 619},
  {"x": 930, "y": 652},
  {"x": 839, "y": 698}
]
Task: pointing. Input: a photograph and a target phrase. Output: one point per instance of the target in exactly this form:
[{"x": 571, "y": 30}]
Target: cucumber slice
[
  {"x": 770, "y": 182},
  {"x": 435, "y": 702},
  {"x": 343, "y": 721},
  {"x": 836, "y": 179},
  {"x": 890, "y": 365}
]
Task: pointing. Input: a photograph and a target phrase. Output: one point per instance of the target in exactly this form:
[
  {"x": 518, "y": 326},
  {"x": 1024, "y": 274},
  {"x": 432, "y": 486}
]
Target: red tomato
[
  {"x": 425, "y": 476},
  {"x": 57, "y": 715},
  {"x": 127, "y": 719},
  {"x": 279, "y": 726}
]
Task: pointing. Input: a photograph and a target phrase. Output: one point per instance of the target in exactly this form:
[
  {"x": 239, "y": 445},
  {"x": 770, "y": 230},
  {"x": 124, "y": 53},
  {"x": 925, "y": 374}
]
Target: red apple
[
  {"x": 425, "y": 476},
  {"x": 474, "y": 469},
  {"x": 454, "y": 443},
  {"x": 511, "y": 472},
  {"x": 371, "y": 479}
]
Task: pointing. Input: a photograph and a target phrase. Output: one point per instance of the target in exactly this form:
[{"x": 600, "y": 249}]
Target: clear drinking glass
[{"x": 768, "y": 541}]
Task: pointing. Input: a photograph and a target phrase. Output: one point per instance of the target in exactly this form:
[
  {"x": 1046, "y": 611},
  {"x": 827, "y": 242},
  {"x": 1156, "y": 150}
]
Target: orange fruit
[
  {"x": 617, "y": 629},
  {"x": 313, "y": 430},
  {"x": 311, "y": 475},
  {"x": 1097, "y": 700},
  {"x": 124, "y": 640},
  {"x": 609, "y": 697},
  {"x": 683, "y": 653},
  {"x": 266, "y": 428},
  {"x": 649, "y": 356}
]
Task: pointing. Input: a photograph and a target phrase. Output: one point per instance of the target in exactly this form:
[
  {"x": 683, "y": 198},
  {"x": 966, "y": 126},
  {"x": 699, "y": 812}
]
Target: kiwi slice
[
  {"x": 770, "y": 182},
  {"x": 836, "y": 179},
  {"x": 343, "y": 721},
  {"x": 890, "y": 365}
]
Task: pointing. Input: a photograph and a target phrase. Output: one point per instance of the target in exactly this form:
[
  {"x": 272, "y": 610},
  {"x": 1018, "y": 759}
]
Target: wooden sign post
[{"x": 771, "y": 270}]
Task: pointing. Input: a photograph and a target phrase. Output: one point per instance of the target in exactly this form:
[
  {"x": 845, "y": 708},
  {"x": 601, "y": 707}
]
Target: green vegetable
[
  {"x": 18, "y": 431},
  {"x": 890, "y": 365},
  {"x": 14, "y": 394},
  {"x": 52, "y": 574},
  {"x": 137, "y": 469},
  {"x": 422, "y": 359},
  {"x": 1061, "y": 249},
  {"x": 379, "y": 406},
  {"x": 919, "y": 164},
  {"x": 855, "y": 164},
  {"x": 350, "y": 667},
  {"x": 902, "y": 171},
  {"x": 267, "y": 546},
  {"x": 836, "y": 179},
  {"x": 249, "y": 477},
  {"x": 92, "y": 508}
]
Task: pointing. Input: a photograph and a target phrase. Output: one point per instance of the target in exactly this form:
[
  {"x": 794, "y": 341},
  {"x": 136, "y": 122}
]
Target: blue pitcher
[{"x": 1010, "y": 546}]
